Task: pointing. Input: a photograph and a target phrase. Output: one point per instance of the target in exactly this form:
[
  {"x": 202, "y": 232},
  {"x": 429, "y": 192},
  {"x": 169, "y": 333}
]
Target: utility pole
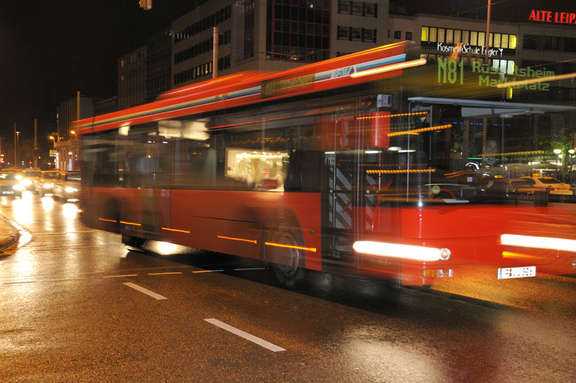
[
  {"x": 487, "y": 41},
  {"x": 15, "y": 145},
  {"x": 77, "y": 105},
  {"x": 35, "y": 143},
  {"x": 215, "y": 53}
]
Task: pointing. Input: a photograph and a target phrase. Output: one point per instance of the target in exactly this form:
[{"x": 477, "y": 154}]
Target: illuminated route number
[{"x": 450, "y": 71}]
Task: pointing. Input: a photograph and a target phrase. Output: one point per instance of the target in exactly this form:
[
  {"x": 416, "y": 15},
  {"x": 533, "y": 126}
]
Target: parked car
[
  {"x": 67, "y": 186},
  {"x": 44, "y": 185},
  {"x": 551, "y": 184},
  {"x": 10, "y": 184}
]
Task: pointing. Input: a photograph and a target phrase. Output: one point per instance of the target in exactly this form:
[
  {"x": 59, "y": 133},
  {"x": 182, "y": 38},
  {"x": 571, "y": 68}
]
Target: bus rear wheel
[{"x": 287, "y": 263}]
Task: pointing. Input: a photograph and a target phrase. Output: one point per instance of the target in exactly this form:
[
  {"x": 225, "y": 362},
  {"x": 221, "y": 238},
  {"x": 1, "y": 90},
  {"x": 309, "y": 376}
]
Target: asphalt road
[{"x": 77, "y": 306}]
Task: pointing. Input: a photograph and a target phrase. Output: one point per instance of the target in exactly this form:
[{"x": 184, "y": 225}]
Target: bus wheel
[
  {"x": 286, "y": 263},
  {"x": 133, "y": 242}
]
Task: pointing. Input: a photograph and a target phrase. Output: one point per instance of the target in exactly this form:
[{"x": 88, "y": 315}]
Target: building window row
[
  {"x": 290, "y": 53},
  {"x": 310, "y": 29},
  {"x": 356, "y": 34},
  {"x": 475, "y": 38},
  {"x": 301, "y": 41},
  {"x": 202, "y": 47},
  {"x": 201, "y": 70},
  {"x": 204, "y": 24},
  {"x": 358, "y": 8},
  {"x": 302, "y": 14},
  {"x": 398, "y": 35},
  {"x": 557, "y": 43}
]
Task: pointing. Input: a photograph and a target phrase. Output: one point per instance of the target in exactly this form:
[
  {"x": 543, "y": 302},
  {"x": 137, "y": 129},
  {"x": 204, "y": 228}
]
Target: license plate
[{"x": 516, "y": 272}]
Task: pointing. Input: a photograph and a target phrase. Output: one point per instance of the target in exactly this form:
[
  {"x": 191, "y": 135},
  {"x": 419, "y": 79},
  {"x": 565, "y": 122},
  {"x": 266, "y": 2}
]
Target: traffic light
[{"x": 146, "y": 4}]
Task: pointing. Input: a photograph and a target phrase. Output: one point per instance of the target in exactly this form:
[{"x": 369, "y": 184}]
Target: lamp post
[
  {"x": 16, "y": 137},
  {"x": 487, "y": 40}
]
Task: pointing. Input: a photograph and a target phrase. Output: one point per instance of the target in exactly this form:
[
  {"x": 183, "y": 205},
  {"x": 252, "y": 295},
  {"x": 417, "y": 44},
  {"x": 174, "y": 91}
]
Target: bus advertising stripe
[
  {"x": 130, "y": 223},
  {"x": 107, "y": 220},
  {"x": 312, "y": 249},
  {"x": 237, "y": 239},
  {"x": 176, "y": 230}
]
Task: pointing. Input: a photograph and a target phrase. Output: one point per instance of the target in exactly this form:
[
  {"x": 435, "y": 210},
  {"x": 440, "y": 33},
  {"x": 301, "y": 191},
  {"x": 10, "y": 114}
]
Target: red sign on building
[{"x": 554, "y": 17}]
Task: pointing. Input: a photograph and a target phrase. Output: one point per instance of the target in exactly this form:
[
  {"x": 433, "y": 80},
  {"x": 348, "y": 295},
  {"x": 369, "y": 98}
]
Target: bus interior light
[{"x": 395, "y": 250}]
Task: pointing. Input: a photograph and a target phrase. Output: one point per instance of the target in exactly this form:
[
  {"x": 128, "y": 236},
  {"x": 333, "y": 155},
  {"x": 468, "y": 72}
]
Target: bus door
[
  {"x": 341, "y": 191},
  {"x": 145, "y": 178}
]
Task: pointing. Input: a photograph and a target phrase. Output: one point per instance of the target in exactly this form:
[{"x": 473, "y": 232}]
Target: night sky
[{"x": 51, "y": 48}]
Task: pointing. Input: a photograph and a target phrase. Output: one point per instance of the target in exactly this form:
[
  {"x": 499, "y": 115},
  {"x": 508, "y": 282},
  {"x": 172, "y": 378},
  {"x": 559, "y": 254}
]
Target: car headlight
[
  {"x": 70, "y": 189},
  {"x": 48, "y": 186},
  {"x": 17, "y": 187},
  {"x": 26, "y": 182}
]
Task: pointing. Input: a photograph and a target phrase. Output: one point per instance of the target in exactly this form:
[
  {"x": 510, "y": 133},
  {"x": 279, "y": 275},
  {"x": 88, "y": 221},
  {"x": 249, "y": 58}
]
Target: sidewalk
[{"x": 9, "y": 236}]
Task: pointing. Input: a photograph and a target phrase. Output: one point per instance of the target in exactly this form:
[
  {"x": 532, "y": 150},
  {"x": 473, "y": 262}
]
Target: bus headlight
[
  {"x": 395, "y": 250},
  {"x": 70, "y": 189}
]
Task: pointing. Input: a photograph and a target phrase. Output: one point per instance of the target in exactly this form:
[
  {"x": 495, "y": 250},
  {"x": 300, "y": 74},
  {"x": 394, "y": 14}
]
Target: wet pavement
[{"x": 76, "y": 305}]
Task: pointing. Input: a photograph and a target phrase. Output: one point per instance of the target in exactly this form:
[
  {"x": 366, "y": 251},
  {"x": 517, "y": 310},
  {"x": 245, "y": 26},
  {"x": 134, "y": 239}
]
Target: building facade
[
  {"x": 271, "y": 35},
  {"x": 144, "y": 73}
]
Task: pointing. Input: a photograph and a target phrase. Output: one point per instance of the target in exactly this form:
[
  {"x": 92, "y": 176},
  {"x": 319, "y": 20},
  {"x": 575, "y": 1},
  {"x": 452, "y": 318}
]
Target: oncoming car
[
  {"x": 67, "y": 186},
  {"x": 10, "y": 184},
  {"x": 44, "y": 185}
]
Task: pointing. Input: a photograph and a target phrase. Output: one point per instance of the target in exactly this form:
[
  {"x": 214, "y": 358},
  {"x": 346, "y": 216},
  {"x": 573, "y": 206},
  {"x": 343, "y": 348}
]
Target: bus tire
[
  {"x": 133, "y": 242},
  {"x": 287, "y": 264}
]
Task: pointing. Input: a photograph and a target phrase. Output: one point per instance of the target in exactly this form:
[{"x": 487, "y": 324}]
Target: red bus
[{"x": 351, "y": 165}]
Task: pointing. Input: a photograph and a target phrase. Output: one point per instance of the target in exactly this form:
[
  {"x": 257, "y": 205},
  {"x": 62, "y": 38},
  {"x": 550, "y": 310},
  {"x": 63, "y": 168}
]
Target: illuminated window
[
  {"x": 474, "y": 38},
  {"x": 457, "y": 36},
  {"x": 511, "y": 67},
  {"x": 497, "y": 40},
  {"x": 504, "y": 41},
  {"x": 481, "y": 38},
  {"x": 466, "y": 37},
  {"x": 257, "y": 168},
  {"x": 424, "y": 34},
  {"x": 432, "y": 36},
  {"x": 449, "y": 35},
  {"x": 512, "y": 42},
  {"x": 441, "y": 35}
]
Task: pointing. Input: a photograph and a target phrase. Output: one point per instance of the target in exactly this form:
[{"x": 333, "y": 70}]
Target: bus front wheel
[{"x": 285, "y": 259}]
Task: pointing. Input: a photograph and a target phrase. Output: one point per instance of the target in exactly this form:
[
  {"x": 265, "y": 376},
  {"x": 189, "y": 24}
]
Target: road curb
[{"x": 11, "y": 241}]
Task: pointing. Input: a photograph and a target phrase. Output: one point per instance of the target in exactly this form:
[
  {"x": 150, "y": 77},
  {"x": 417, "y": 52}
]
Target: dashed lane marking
[
  {"x": 144, "y": 290},
  {"x": 243, "y": 334},
  {"x": 207, "y": 271},
  {"x": 167, "y": 273},
  {"x": 249, "y": 268},
  {"x": 120, "y": 276}
]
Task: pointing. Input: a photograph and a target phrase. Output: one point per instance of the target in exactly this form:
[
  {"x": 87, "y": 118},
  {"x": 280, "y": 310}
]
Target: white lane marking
[
  {"x": 167, "y": 273},
  {"x": 145, "y": 291},
  {"x": 207, "y": 271},
  {"x": 249, "y": 268},
  {"x": 243, "y": 334},
  {"x": 120, "y": 276}
]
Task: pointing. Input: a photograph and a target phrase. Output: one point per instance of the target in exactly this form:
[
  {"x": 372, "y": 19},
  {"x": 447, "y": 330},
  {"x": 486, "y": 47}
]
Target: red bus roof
[{"x": 252, "y": 87}]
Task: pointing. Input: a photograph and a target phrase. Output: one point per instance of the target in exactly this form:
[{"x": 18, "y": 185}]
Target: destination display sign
[{"x": 453, "y": 72}]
